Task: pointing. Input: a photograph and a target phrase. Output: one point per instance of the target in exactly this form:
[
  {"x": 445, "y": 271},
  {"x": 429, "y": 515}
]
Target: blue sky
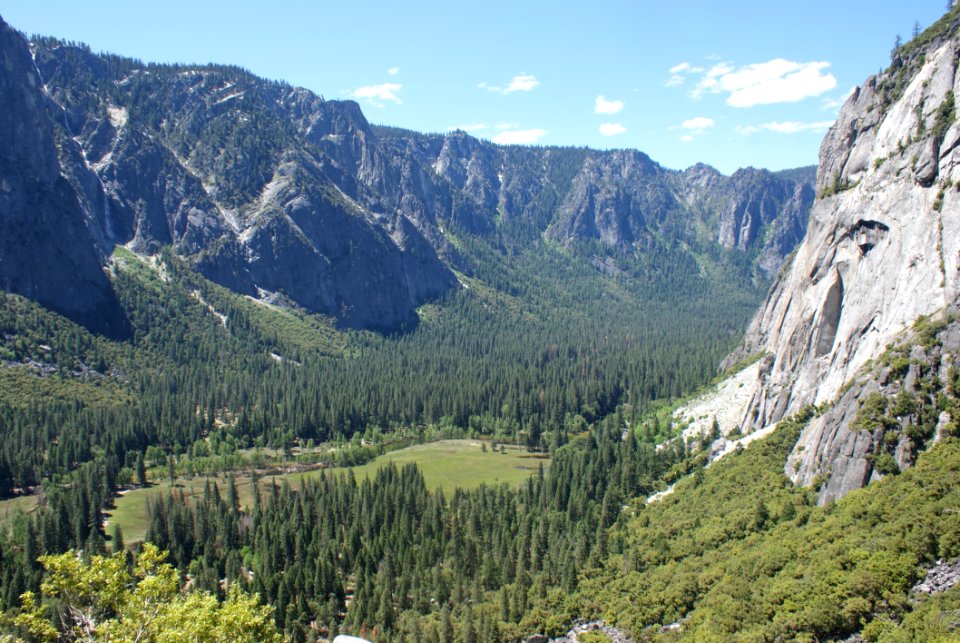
[{"x": 732, "y": 84}]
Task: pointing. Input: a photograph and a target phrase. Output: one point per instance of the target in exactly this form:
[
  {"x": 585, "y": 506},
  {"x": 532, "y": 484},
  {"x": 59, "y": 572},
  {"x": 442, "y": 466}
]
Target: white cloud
[
  {"x": 694, "y": 127},
  {"x": 519, "y": 83},
  {"x": 708, "y": 82},
  {"x": 611, "y": 129},
  {"x": 686, "y": 68},
  {"x": 604, "y": 106},
  {"x": 506, "y": 125},
  {"x": 393, "y": 71},
  {"x": 767, "y": 83},
  {"x": 522, "y": 83},
  {"x": 785, "y": 127},
  {"x": 519, "y": 137},
  {"x": 376, "y": 95},
  {"x": 679, "y": 73},
  {"x": 793, "y": 127},
  {"x": 700, "y": 123}
]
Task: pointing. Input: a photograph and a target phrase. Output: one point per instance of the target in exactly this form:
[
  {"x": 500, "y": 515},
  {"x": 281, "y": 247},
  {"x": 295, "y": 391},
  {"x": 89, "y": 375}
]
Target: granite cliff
[
  {"x": 882, "y": 249},
  {"x": 38, "y": 207}
]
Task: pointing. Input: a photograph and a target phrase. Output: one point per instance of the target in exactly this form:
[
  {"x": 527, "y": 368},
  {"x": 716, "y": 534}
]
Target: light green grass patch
[
  {"x": 11, "y": 507},
  {"x": 450, "y": 464},
  {"x": 131, "y": 508},
  {"x": 446, "y": 465}
]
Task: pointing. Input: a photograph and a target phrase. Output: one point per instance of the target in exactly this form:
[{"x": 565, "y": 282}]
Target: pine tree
[
  {"x": 446, "y": 627},
  {"x": 467, "y": 632},
  {"x": 141, "y": 470},
  {"x": 117, "y": 539}
]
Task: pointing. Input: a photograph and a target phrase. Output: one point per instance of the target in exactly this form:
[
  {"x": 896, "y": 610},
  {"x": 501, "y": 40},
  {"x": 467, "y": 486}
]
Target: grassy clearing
[
  {"x": 131, "y": 511},
  {"x": 11, "y": 507},
  {"x": 446, "y": 465},
  {"x": 449, "y": 464}
]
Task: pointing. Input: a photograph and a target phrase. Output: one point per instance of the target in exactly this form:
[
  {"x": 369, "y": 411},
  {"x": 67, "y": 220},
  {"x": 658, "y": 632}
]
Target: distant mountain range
[{"x": 281, "y": 195}]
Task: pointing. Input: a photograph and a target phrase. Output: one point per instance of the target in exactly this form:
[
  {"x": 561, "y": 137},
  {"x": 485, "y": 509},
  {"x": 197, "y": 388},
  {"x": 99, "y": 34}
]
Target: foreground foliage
[{"x": 103, "y": 598}]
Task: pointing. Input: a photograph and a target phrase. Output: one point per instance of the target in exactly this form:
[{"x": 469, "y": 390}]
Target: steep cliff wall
[
  {"x": 46, "y": 249},
  {"x": 882, "y": 248}
]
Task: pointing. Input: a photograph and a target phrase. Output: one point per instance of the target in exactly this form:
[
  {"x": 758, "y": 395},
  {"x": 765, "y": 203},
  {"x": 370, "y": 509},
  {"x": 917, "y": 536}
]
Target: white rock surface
[
  {"x": 877, "y": 255},
  {"x": 725, "y": 402}
]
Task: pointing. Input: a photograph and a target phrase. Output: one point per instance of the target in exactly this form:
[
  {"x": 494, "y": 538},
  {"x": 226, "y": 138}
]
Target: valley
[{"x": 290, "y": 374}]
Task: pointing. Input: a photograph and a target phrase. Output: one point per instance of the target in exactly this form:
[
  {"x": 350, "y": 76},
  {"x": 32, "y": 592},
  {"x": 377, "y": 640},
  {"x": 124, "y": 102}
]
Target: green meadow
[
  {"x": 446, "y": 465},
  {"x": 449, "y": 464}
]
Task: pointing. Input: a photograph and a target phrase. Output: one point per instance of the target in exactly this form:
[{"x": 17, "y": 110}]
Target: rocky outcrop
[
  {"x": 625, "y": 200},
  {"x": 940, "y": 578},
  {"x": 46, "y": 250},
  {"x": 881, "y": 249},
  {"x": 886, "y": 415},
  {"x": 755, "y": 209},
  {"x": 616, "y": 198},
  {"x": 591, "y": 629}
]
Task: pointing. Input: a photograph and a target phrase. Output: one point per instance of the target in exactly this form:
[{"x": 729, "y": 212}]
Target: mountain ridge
[{"x": 279, "y": 194}]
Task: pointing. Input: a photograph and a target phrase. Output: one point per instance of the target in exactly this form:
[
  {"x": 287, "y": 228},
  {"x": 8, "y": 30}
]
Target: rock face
[
  {"x": 940, "y": 578},
  {"x": 279, "y": 194},
  {"x": 881, "y": 249},
  {"x": 46, "y": 250},
  {"x": 624, "y": 199},
  {"x": 755, "y": 208}
]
